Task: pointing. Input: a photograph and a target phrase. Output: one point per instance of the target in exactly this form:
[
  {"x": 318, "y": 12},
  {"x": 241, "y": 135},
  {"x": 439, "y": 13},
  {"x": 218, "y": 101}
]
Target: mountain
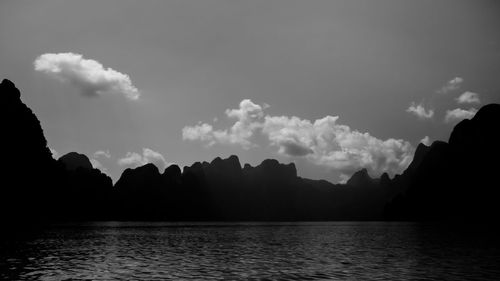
[
  {"x": 360, "y": 177},
  {"x": 73, "y": 160},
  {"x": 222, "y": 190},
  {"x": 28, "y": 168},
  {"x": 456, "y": 180},
  {"x": 35, "y": 187}
]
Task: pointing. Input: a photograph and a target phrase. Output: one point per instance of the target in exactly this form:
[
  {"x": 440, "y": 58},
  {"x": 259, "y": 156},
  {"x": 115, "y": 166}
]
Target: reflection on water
[{"x": 299, "y": 251}]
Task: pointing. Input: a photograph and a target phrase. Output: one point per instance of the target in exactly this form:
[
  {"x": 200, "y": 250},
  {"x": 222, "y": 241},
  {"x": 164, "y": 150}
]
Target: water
[{"x": 252, "y": 251}]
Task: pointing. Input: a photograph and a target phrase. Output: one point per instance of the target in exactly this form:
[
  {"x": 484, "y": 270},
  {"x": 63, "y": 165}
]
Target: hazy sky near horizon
[{"x": 333, "y": 86}]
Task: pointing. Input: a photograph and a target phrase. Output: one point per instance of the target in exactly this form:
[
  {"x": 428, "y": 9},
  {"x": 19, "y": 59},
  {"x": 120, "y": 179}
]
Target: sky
[{"x": 333, "y": 86}]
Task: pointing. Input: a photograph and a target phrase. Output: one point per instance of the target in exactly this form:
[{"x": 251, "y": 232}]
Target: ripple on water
[{"x": 303, "y": 251}]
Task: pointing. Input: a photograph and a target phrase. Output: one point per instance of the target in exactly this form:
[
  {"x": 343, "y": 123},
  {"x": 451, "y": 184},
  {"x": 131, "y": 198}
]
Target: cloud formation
[
  {"x": 247, "y": 121},
  {"x": 102, "y": 153},
  {"x": 426, "y": 140},
  {"x": 323, "y": 141},
  {"x": 468, "y": 97},
  {"x": 88, "y": 75},
  {"x": 452, "y": 85},
  {"x": 420, "y": 111},
  {"x": 458, "y": 114},
  {"x": 134, "y": 159}
]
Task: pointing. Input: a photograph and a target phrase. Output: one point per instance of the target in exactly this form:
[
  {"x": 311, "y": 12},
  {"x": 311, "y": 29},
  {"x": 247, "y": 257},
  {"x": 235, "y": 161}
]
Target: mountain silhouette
[
  {"x": 28, "y": 170},
  {"x": 456, "y": 180},
  {"x": 35, "y": 187},
  {"x": 445, "y": 181}
]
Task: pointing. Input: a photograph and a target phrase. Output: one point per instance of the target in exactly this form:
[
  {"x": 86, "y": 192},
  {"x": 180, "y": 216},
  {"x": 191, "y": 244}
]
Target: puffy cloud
[
  {"x": 452, "y": 85},
  {"x": 426, "y": 140},
  {"x": 344, "y": 178},
  {"x": 102, "y": 153},
  {"x": 468, "y": 97},
  {"x": 131, "y": 160},
  {"x": 202, "y": 132},
  {"x": 247, "y": 116},
  {"x": 458, "y": 114},
  {"x": 134, "y": 159},
  {"x": 420, "y": 111},
  {"x": 323, "y": 141},
  {"x": 88, "y": 75}
]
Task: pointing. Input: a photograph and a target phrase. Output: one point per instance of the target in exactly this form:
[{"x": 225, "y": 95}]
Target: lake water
[{"x": 255, "y": 251}]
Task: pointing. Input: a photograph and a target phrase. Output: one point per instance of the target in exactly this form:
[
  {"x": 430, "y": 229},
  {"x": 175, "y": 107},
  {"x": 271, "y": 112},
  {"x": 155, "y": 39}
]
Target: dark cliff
[{"x": 456, "y": 180}]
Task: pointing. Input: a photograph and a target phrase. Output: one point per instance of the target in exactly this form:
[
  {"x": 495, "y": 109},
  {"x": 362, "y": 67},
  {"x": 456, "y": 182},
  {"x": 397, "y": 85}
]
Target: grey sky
[{"x": 363, "y": 61}]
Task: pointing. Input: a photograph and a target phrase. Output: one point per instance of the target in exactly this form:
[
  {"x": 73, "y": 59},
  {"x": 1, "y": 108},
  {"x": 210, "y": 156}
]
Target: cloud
[
  {"x": 247, "y": 116},
  {"x": 97, "y": 165},
  {"x": 294, "y": 149},
  {"x": 102, "y": 153},
  {"x": 452, "y": 85},
  {"x": 323, "y": 142},
  {"x": 420, "y": 111},
  {"x": 468, "y": 97},
  {"x": 54, "y": 153},
  {"x": 88, "y": 75},
  {"x": 134, "y": 159},
  {"x": 426, "y": 140},
  {"x": 458, "y": 114}
]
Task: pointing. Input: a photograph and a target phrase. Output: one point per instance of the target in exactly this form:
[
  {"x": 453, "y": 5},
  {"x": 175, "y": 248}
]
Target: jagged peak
[
  {"x": 232, "y": 163},
  {"x": 385, "y": 177},
  {"x": 418, "y": 156},
  {"x": 421, "y": 147},
  {"x": 360, "y": 177},
  {"x": 216, "y": 160}
]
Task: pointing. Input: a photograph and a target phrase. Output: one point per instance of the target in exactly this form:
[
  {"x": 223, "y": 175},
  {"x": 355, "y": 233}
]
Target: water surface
[{"x": 255, "y": 251}]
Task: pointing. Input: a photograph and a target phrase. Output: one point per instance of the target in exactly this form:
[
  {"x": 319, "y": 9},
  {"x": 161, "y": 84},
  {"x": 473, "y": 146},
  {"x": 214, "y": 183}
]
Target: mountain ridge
[{"x": 222, "y": 189}]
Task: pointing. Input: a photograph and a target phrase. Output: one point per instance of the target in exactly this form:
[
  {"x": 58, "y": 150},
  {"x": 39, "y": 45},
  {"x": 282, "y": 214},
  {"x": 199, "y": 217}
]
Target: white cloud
[
  {"x": 426, "y": 140},
  {"x": 102, "y": 153},
  {"x": 247, "y": 116},
  {"x": 87, "y": 75},
  {"x": 344, "y": 178},
  {"x": 468, "y": 97},
  {"x": 420, "y": 111},
  {"x": 458, "y": 114},
  {"x": 452, "y": 85},
  {"x": 99, "y": 154},
  {"x": 134, "y": 159},
  {"x": 323, "y": 141},
  {"x": 55, "y": 154},
  {"x": 97, "y": 165}
]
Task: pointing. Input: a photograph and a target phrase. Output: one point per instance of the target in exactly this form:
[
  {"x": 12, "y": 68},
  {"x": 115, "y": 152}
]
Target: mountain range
[{"x": 454, "y": 180}]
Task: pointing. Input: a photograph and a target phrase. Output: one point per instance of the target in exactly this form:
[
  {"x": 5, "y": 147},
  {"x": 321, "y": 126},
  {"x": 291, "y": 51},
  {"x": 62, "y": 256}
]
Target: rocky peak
[
  {"x": 9, "y": 90},
  {"x": 74, "y": 160},
  {"x": 360, "y": 178},
  {"x": 276, "y": 169}
]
